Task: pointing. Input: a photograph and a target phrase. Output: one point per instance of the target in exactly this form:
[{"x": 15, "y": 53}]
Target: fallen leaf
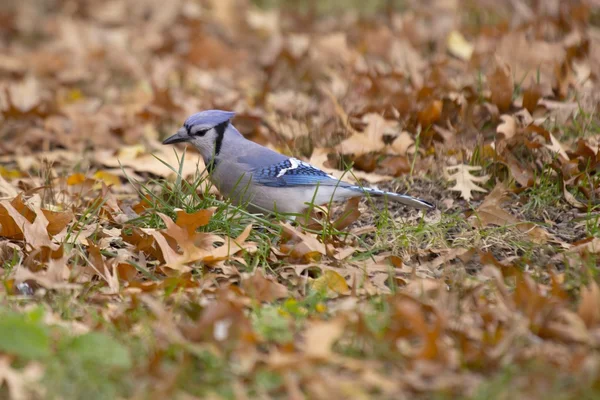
[
  {"x": 76, "y": 179},
  {"x": 157, "y": 163},
  {"x": 263, "y": 289},
  {"x": 108, "y": 178},
  {"x": 371, "y": 139},
  {"x": 197, "y": 246},
  {"x": 522, "y": 174},
  {"x": 466, "y": 183},
  {"x": 20, "y": 382},
  {"x": 193, "y": 221},
  {"x": 557, "y": 148},
  {"x": 571, "y": 199},
  {"x": 104, "y": 270},
  {"x": 131, "y": 152},
  {"x": 508, "y": 127},
  {"x": 530, "y": 56},
  {"x": 319, "y": 158},
  {"x": 35, "y": 233},
  {"x": 320, "y": 336},
  {"x": 531, "y": 96},
  {"x": 589, "y": 305},
  {"x": 331, "y": 280},
  {"x": 402, "y": 143},
  {"x": 10, "y": 173},
  {"x": 7, "y": 190},
  {"x": 490, "y": 212},
  {"x": 232, "y": 246},
  {"x": 430, "y": 113},
  {"x": 444, "y": 258},
  {"x": 589, "y": 246},
  {"x": 566, "y": 326},
  {"x": 339, "y": 111},
  {"x": 458, "y": 46},
  {"x": 57, "y": 221},
  {"x": 350, "y": 214},
  {"x": 501, "y": 84},
  {"x": 300, "y": 245}
]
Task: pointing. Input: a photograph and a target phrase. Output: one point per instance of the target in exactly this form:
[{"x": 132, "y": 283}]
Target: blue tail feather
[{"x": 397, "y": 197}]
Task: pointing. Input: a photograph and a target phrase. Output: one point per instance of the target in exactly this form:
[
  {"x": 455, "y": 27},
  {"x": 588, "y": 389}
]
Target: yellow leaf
[
  {"x": 74, "y": 96},
  {"x": 131, "y": 152},
  {"x": 458, "y": 46},
  {"x": 75, "y": 179},
  {"x": 9, "y": 173},
  {"x": 331, "y": 280},
  {"x": 108, "y": 178},
  {"x": 320, "y": 308}
]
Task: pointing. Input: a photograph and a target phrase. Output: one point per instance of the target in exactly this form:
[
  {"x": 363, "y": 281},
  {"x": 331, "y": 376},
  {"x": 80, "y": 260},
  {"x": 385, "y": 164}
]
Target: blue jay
[{"x": 265, "y": 180}]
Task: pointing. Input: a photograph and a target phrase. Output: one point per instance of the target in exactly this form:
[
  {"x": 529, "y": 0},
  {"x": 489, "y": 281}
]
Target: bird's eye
[{"x": 199, "y": 131}]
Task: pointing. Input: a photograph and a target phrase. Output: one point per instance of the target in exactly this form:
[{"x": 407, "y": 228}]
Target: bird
[{"x": 264, "y": 180}]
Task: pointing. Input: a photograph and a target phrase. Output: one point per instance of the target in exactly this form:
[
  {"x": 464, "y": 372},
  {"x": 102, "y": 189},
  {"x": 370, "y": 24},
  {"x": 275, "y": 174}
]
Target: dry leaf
[
  {"x": 300, "y": 245},
  {"x": 193, "y": 221},
  {"x": 319, "y": 158},
  {"x": 466, "y": 183},
  {"x": 571, "y": 199},
  {"x": 7, "y": 191},
  {"x": 508, "y": 127},
  {"x": 556, "y": 147},
  {"x": 20, "y": 382},
  {"x": 196, "y": 246},
  {"x": 331, "y": 280},
  {"x": 107, "y": 178},
  {"x": 589, "y": 245},
  {"x": 36, "y": 233},
  {"x": 402, "y": 143},
  {"x": 458, "y": 46},
  {"x": 430, "y": 113},
  {"x": 371, "y": 140},
  {"x": 490, "y": 212},
  {"x": 501, "y": 84},
  {"x": 156, "y": 163},
  {"x": 320, "y": 337},
  {"x": 349, "y": 215},
  {"x": 531, "y": 96},
  {"x": 76, "y": 179},
  {"x": 589, "y": 306},
  {"x": 262, "y": 288},
  {"x": 522, "y": 174},
  {"x": 57, "y": 221}
]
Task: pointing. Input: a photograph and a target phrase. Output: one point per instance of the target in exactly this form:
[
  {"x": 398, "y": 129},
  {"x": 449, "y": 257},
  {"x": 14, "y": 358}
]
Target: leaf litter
[{"x": 112, "y": 244}]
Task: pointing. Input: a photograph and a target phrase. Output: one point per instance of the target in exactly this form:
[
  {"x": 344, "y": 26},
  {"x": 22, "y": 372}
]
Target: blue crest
[{"x": 208, "y": 118}]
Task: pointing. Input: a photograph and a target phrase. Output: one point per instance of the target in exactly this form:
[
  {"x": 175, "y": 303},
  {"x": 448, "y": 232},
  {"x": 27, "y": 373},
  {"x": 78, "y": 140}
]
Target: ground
[{"x": 126, "y": 275}]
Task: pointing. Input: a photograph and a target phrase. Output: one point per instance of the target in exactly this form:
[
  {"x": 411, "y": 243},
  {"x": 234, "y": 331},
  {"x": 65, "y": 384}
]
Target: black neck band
[{"x": 220, "y": 130}]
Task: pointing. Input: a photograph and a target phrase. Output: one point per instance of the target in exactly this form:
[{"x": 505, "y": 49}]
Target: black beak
[{"x": 180, "y": 136}]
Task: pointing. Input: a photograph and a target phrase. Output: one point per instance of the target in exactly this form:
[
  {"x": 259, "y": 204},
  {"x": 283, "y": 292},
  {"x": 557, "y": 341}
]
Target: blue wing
[{"x": 293, "y": 172}]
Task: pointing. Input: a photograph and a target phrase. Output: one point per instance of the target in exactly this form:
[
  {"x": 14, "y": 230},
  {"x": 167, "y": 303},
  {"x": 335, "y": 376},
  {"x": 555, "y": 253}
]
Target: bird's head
[{"x": 205, "y": 130}]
